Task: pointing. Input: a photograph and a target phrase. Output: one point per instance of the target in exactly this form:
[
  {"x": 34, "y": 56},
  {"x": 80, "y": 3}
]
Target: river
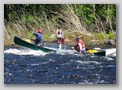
[{"x": 25, "y": 66}]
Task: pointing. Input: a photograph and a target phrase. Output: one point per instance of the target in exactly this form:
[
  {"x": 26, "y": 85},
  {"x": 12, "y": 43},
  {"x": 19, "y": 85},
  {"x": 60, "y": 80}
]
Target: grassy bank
[{"x": 89, "y": 38}]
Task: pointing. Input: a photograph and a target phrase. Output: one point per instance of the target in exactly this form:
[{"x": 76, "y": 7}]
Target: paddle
[
  {"x": 32, "y": 34},
  {"x": 60, "y": 45}
]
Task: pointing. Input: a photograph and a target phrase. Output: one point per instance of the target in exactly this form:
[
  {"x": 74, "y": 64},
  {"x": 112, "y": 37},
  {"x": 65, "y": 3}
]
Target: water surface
[{"x": 23, "y": 66}]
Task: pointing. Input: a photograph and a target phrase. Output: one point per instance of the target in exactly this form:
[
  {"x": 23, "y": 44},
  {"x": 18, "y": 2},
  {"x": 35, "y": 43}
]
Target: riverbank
[
  {"x": 9, "y": 43},
  {"x": 89, "y": 39}
]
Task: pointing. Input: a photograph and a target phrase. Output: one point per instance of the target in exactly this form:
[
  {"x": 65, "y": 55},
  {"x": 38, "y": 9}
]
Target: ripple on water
[{"x": 53, "y": 68}]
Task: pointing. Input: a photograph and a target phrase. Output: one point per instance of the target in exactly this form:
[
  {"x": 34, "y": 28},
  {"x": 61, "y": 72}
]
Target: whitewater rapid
[
  {"x": 26, "y": 66},
  {"x": 25, "y": 52}
]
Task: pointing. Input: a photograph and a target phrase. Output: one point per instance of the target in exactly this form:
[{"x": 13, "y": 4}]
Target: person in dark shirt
[{"x": 39, "y": 37}]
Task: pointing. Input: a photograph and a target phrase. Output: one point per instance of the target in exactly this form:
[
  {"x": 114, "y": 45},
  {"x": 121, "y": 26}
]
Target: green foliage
[
  {"x": 23, "y": 19},
  {"x": 47, "y": 37},
  {"x": 30, "y": 18},
  {"x": 30, "y": 34},
  {"x": 111, "y": 35},
  {"x": 92, "y": 17},
  {"x": 99, "y": 36},
  {"x": 86, "y": 12}
]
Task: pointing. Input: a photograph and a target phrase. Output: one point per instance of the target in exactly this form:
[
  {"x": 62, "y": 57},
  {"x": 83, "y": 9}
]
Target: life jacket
[
  {"x": 62, "y": 41},
  {"x": 59, "y": 31},
  {"x": 77, "y": 47}
]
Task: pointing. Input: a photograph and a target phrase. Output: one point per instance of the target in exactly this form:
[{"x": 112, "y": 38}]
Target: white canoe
[{"x": 111, "y": 52}]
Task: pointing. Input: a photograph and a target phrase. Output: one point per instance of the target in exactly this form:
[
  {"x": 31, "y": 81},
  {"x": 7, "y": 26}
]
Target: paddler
[
  {"x": 80, "y": 46},
  {"x": 39, "y": 37},
  {"x": 59, "y": 34}
]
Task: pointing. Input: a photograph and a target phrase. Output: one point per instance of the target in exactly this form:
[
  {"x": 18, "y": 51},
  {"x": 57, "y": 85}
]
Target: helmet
[
  {"x": 59, "y": 27},
  {"x": 39, "y": 31},
  {"x": 78, "y": 38}
]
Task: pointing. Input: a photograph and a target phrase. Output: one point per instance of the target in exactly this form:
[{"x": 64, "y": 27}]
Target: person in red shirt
[{"x": 80, "y": 46}]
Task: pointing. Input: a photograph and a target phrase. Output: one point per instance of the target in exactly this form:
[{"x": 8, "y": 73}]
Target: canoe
[
  {"x": 51, "y": 46},
  {"x": 28, "y": 43}
]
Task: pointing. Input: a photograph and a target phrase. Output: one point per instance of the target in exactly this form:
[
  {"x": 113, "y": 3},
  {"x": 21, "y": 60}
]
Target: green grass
[
  {"x": 111, "y": 35},
  {"x": 68, "y": 35}
]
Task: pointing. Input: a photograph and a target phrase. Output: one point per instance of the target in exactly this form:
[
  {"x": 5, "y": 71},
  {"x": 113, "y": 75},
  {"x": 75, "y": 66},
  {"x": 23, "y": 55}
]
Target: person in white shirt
[{"x": 59, "y": 34}]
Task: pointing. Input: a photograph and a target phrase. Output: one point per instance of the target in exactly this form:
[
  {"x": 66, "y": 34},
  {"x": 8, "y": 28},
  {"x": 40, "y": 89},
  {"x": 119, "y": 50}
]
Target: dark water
[{"x": 55, "y": 68}]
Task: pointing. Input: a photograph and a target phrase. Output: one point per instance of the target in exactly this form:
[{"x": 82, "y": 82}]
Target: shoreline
[{"x": 103, "y": 46}]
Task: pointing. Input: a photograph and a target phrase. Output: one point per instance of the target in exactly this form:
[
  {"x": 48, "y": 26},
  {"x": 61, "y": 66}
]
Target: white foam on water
[
  {"x": 65, "y": 52},
  {"x": 25, "y": 52},
  {"x": 109, "y": 58},
  {"x": 88, "y": 62},
  {"x": 56, "y": 49}
]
